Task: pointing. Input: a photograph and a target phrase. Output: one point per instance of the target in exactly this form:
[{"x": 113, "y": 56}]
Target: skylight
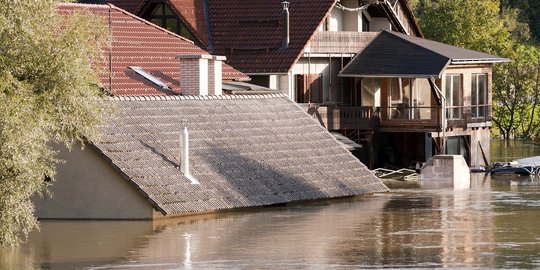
[{"x": 150, "y": 77}]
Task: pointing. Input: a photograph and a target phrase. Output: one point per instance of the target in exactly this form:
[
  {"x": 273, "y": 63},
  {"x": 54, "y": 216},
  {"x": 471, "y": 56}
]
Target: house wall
[
  {"x": 379, "y": 24},
  {"x": 87, "y": 187},
  {"x": 320, "y": 65},
  {"x": 466, "y": 72}
]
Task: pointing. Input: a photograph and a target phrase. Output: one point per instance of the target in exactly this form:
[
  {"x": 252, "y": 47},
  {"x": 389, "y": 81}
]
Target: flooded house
[
  {"x": 188, "y": 135},
  {"x": 306, "y": 48}
]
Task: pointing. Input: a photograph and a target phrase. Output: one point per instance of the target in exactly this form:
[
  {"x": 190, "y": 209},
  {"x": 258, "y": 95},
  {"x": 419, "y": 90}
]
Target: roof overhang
[
  {"x": 479, "y": 61},
  {"x": 412, "y": 76}
]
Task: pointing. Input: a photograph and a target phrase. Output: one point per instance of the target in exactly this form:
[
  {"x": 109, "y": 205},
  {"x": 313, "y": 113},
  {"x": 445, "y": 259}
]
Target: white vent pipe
[{"x": 184, "y": 165}]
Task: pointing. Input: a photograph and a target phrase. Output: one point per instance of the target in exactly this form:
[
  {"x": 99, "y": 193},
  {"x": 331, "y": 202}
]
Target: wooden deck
[
  {"x": 340, "y": 42},
  {"x": 338, "y": 117}
]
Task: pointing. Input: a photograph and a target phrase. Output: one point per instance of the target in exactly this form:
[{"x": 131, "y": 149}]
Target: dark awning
[{"x": 391, "y": 54}]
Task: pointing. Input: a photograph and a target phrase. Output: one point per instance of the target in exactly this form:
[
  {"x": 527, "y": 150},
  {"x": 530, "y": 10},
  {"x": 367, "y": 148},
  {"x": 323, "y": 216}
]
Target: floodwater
[{"x": 492, "y": 225}]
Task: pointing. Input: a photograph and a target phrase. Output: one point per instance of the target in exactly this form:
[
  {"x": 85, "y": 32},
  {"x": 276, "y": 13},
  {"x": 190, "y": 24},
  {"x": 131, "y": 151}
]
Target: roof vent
[{"x": 286, "y": 34}]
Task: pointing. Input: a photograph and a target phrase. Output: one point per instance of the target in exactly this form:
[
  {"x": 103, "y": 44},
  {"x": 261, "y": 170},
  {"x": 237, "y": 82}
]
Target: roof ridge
[
  {"x": 193, "y": 97},
  {"x": 104, "y": 6},
  {"x": 396, "y": 34}
]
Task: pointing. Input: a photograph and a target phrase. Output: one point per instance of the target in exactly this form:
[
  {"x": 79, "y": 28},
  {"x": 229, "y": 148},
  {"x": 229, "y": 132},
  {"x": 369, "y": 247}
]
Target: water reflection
[
  {"x": 493, "y": 225},
  {"x": 502, "y": 150}
]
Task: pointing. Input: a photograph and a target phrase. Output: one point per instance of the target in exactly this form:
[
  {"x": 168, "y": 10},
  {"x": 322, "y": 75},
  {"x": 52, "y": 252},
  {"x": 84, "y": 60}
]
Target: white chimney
[
  {"x": 184, "y": 165},
  {"x": 201, "y": 74}
]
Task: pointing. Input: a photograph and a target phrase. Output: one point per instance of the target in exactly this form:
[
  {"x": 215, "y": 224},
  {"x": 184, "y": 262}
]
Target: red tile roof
[
  {"x": 131, "y": 6},
  {"x": 249, "y": 33},
  {"x": 137, "y": 42},
  {"x": 190, "y": 11}
]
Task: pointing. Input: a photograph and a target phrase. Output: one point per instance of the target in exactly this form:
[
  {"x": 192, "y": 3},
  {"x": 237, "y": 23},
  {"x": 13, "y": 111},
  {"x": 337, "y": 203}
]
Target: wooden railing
[
  {"x": 336, "y": 117},
  {"x": 469, "y": 116},
  {"x": 340, "y": 42}
]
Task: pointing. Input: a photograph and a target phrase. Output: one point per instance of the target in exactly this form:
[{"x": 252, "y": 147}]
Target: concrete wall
[{"x": 87, "y": 187}]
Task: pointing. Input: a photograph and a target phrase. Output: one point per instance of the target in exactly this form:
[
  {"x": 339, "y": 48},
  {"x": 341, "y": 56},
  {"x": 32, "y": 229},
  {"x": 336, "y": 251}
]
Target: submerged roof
[
  {"x": 249, "y": 33},
  {"x": 392, "y": 54},
  {"x": 139, "y": 43},
  {"x": 245, "y": 151}
]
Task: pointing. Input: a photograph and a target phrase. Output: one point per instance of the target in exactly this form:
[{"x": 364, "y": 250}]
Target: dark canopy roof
[{"x": 393, "y": 54}]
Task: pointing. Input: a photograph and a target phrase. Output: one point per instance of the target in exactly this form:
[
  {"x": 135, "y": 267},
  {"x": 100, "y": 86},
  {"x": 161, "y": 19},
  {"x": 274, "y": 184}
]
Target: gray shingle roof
[
  {"x": 244, "y": 150},
  {"x": 392, "y": 54}
]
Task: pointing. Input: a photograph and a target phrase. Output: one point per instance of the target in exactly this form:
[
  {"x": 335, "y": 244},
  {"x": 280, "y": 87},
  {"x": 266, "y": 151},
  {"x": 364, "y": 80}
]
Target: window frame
[
  {"x": 478, "y": 110},
  {"x": 453, "y": 111}
]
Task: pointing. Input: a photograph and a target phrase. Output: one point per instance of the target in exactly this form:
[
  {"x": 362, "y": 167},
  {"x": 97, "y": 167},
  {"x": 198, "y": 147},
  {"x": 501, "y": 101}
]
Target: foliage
[
  {"x": 48, "y": 94},
  {"x": 471, "y": 24},
  {"x": 515, "y": 94},
  {"x": 530, "y": 14},
  {"x": 485, "y": 26}
]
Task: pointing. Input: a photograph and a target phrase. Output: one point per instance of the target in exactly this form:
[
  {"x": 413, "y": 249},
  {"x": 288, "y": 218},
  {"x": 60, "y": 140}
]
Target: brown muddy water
[{"x": 495, "y": 224}]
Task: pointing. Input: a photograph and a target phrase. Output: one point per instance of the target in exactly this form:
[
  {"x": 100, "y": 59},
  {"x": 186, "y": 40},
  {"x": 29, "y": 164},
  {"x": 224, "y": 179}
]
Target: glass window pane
[
  {"x": 171, "y": 25},
  {"x": 168, "y": 10},
  {"x": 157, "y": 9},
  {"x": 156, "y": 22}
]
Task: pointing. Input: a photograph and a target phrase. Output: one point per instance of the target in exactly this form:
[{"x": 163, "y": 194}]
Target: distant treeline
[{"x": 530, "y": 14}]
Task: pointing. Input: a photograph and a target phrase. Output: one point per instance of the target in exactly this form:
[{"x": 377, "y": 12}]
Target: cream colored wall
[
  {"x": 315, "y": 65},
  {"x": 379, "y": 24},
  {"x": 87, "y": 187}
]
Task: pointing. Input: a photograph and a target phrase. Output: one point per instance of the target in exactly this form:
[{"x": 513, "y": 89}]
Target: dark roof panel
[
  {"x": 392, "y": 54},
  {"x": 245, "y": 151}
]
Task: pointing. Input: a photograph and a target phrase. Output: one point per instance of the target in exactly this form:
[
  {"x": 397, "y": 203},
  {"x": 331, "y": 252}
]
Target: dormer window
[{"x": 161, "y": 14}]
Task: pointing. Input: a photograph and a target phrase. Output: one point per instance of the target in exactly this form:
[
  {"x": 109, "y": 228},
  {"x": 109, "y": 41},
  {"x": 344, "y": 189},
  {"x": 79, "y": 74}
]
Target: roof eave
[
  {"x": 479, "y": 61},
  {"x": 412, "y": 76},
  {"x": 311, "y": 36}
]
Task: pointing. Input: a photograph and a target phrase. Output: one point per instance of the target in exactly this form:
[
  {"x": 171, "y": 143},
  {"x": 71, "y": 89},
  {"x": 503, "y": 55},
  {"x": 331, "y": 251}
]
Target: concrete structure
[{"x": 445, "y": 171}]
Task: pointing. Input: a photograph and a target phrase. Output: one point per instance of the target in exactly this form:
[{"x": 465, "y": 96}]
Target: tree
[
  {"x": 470, "y": 24},
  {"x": 48, "y": 94},
  {"x": 484, "y": 26},
  {"x": 515, "y": 94}
]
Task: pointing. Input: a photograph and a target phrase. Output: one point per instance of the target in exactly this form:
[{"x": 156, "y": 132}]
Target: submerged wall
[{"x": 87, "y": 187}]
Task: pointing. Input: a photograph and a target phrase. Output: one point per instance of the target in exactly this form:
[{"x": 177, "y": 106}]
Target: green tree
[
  {"x": 471, "y": 24},
  {"x": 48, "y": 94},
  {"x": 515, "y": 94}
]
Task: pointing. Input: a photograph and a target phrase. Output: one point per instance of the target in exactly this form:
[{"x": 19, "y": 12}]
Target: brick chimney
[{"x": 201, "y": 74}]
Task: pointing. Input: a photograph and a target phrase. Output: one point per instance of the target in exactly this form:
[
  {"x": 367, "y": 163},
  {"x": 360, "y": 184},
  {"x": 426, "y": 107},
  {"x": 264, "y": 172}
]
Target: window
[
  {"x": 309, "y": 88},
  {"x": 410, "y": 99},
  {"x": 478, "y": 95},
  {"x": 365, "y": 23},
  {"x": 453, "y": 96},
  {"x": 161, "y": 14}
]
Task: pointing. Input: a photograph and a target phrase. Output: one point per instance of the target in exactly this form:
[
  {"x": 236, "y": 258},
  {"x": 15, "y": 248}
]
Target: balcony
[
  {"x": 340, "y": 42},
  {"x": 419, "y": 119},
  {"x": 469, "y": 116},
  {"x": 336, "y": 117}
]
